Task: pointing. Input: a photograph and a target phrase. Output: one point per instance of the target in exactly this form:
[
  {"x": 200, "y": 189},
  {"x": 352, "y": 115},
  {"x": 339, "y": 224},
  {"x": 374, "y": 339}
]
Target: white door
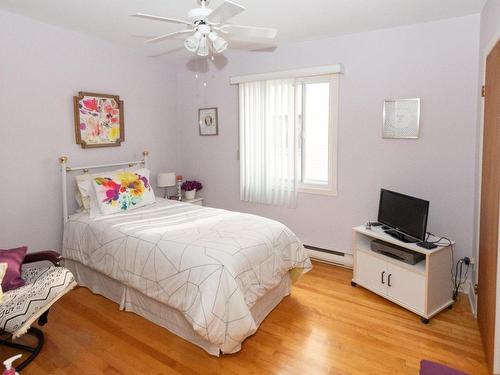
[
  {"x": 407, "y": 287},
  {"x": 371, "y": 272}
]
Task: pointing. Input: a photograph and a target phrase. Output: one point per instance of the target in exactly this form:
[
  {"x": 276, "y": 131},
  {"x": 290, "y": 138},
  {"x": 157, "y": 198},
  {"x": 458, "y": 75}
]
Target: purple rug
[{"x": 433, "y": 368}]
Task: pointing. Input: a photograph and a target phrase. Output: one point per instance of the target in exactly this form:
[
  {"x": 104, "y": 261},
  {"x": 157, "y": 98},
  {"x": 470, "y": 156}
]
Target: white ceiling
[{"x": 296, "y": 20}]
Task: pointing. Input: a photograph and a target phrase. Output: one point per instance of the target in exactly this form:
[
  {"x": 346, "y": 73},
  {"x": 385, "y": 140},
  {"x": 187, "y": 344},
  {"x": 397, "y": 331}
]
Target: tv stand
[
  {"x": 424, "y": 288},
  {"x": 400, "y": 236}
]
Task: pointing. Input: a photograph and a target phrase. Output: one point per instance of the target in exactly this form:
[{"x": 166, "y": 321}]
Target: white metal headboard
[{"x": 65, "y": 169}]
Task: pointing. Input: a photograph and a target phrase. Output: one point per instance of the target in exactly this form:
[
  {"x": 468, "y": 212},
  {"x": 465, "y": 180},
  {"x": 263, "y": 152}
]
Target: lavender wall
[
  {"x": 41, "y": 68},
  {"x": 437, "y": 62},
  {"x": 46, "y": 66},
  {"x": 490, "y": 25}
]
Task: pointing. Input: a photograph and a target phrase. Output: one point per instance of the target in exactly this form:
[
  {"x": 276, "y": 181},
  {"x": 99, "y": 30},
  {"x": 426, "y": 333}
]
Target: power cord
[
  {"x": 439, "y": 241},
  {"x": 457, "y": 280},
  {"x": 456, "y": 276}
]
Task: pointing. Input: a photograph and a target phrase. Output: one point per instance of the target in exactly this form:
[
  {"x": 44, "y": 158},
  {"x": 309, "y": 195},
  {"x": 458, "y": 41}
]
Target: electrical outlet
[{"x": 473, "y": 260}]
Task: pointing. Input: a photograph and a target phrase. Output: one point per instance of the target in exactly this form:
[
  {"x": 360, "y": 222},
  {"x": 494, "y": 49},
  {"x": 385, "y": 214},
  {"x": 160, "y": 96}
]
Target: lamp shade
[
  {"x": 166, "y": 179},
  {"x": 203, "y": 49},
  {"x": 218, "y": 43},
  {"x": 193, "y": 42}
]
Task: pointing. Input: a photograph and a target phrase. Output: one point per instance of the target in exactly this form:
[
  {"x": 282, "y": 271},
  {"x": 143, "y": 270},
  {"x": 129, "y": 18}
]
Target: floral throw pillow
[
  {"x": 84, "y": 186},
  {"x": 123, "y": 191}
]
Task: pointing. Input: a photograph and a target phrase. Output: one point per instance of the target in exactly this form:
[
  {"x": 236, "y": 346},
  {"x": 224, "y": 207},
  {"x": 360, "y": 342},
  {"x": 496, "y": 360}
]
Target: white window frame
[{"x": 331, "y": 188}]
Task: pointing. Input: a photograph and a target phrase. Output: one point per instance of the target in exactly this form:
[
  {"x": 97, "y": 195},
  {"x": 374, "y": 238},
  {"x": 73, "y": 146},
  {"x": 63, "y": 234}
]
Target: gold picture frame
[{"x": 99, "y": 120}]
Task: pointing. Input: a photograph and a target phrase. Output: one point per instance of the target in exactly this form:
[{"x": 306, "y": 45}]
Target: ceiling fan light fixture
[
  {"x": 218, "y": 43},
  {"x": 206, "y": 24},
  {"x": 192, "y": 43},
  {"x": 203, "y": 48}
]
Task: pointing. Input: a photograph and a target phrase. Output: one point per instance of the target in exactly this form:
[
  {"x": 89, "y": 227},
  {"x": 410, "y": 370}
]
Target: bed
[{"x": 208, "y": 275}]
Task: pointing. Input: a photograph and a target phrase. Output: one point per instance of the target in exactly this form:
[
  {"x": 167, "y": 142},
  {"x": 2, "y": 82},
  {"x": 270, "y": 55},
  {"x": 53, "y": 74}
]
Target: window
[
  {"x": 317, "y": 108},
  {"x": 288, "y": 135}
]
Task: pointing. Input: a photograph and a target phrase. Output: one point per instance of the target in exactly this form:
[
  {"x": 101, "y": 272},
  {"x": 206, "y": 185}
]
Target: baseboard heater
[{"x": 329, "y": 256}]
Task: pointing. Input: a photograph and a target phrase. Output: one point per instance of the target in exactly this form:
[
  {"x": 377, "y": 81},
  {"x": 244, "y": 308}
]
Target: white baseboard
[
  {"x": 469, "y": 289},
  {"x": 345, "y": 260}
]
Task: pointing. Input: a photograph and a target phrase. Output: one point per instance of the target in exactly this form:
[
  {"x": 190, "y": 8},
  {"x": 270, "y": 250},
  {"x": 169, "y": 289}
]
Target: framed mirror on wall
[{"x": 401, "y": 118}]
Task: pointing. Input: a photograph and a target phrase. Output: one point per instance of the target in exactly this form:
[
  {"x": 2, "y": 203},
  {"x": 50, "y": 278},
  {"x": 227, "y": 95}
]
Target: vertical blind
[{"x": 268, "y": 142}]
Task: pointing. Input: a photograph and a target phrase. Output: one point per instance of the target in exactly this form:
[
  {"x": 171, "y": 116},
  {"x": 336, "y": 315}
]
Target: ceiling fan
[{"x": 206, "y": 26}]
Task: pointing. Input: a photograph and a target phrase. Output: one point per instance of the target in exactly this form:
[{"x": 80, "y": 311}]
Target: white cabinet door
[
  {"x": 371, "y": 272},
  {"x": 406, "y": 287}
]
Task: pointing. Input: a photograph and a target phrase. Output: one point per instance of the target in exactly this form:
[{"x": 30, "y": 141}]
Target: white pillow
[
  {"x": 83, "y": 186},
  {"x": 94, "y": 211},
  {"x": 122, "y": 191}
]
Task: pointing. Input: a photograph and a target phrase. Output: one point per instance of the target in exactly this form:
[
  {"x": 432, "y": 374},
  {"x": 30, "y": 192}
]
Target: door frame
[
  {"x": 479, "y": 175},
  {"x": 496, "y": 338},
  {"x": 477, "y": 205}
]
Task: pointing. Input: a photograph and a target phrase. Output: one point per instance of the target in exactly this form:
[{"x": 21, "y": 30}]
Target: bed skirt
[{"x": 167, "y": 317}]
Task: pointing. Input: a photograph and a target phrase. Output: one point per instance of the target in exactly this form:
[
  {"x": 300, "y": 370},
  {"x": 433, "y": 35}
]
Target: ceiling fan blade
[
  {"x": 225, "y": 11},
  {"x": 249, "y": 31},
  {"x": 159, "y": 18},
  {"x": 169, "y": 35},
  {"x": 248, "y": 45}
]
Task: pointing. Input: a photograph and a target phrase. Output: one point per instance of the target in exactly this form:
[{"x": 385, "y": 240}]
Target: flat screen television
[{"x": 406, "y": 216}]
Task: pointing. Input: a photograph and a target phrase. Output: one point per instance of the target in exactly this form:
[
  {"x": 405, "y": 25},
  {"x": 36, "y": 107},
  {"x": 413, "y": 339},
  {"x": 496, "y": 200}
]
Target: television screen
[{"x": 404, "y": 213}]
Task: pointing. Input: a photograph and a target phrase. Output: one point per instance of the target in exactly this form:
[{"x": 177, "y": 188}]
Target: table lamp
[{"x": 166, "y": 180}]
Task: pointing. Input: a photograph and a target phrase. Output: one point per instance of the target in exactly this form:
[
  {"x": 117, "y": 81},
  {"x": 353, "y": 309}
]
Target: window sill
[{"x": 318, "y": 191}]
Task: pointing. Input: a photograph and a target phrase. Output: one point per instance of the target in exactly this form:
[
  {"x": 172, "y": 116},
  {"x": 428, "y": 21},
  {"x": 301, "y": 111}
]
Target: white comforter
[{"x": 210, "y": 264}]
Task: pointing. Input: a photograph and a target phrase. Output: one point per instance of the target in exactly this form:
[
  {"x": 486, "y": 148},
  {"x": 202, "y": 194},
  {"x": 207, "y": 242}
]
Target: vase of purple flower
[{"x": 190, "y": 188}]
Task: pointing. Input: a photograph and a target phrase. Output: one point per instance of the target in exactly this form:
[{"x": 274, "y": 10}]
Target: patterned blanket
[{"x": 210, "y": 264}]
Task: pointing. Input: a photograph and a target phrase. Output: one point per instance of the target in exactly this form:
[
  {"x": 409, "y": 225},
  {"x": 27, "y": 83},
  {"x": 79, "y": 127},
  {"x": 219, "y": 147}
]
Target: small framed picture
[
  {"x": 401, "y": 118},
  {"x": 207, "y": 121}
]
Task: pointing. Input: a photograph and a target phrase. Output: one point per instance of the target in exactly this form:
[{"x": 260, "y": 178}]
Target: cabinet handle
[
  {"x": 389, "y": 279},
  {"x": 382, "y": 277}
]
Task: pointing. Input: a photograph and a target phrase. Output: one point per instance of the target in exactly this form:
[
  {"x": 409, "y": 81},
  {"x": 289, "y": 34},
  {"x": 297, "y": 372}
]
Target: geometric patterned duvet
[{"x": 210, "y": 264}]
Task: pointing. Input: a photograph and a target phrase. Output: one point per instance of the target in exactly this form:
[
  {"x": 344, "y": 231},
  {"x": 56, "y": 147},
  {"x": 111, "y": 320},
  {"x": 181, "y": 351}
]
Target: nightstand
[{"x": 198, "y": 201}]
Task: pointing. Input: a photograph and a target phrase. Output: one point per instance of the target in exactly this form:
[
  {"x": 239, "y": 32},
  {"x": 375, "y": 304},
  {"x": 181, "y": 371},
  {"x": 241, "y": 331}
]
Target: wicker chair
[{"x": 23, "y": 306}]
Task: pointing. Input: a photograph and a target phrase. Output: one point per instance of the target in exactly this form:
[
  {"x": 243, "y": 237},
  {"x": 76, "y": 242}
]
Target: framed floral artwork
[
  {"x": 98, "y": 120},
  {"x": 207, "y": 121}
]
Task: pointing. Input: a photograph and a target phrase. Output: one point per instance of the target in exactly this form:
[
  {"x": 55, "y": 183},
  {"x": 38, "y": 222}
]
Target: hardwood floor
[{"x": 325, "y": 327}]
